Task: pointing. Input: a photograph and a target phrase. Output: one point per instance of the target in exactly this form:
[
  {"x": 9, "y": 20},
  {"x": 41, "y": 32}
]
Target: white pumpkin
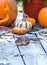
[{"x": 25, "y": 24}]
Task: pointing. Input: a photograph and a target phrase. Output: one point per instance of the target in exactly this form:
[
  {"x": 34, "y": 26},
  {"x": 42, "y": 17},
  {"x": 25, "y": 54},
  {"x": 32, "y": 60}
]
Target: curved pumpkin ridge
[
  {"x": 4, "y": 19},
  {"x": 31, "y": 20},
  {"x": 17, "y": 30},
  {"x": 23, "y": 30},
  {"x": 24, "y": 24},
  {"x": 7, "y": 7},
  {"x": 2, "y": 7},
  {"x": 12, "y": 11}
]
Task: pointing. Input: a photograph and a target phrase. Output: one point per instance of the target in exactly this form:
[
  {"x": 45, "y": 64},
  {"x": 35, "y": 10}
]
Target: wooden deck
[{"x": 34, "y": 53}]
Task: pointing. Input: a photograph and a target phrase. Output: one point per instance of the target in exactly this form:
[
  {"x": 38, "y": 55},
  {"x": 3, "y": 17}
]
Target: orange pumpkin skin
[
  {"x": 8, "y": 12},
  {"x": 20, "y": 31},
  {"x": 42, "y": 17},
  {"x": 32, "y": 20}
]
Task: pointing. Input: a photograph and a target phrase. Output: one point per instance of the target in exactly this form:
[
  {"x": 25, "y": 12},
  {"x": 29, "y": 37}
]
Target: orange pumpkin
[
  {"x": 31, "y": 20},
  {"x": 42, "y": 17},
  {"x": 18, "y": 30},
  {"x": 8, "y": 12}
]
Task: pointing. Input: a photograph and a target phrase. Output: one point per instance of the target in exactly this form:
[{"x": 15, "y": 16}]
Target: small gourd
[
  {"x": 31, "y": 20},
  {"x": 19, "y": 31},
  {"x": 24, "y": 24}
]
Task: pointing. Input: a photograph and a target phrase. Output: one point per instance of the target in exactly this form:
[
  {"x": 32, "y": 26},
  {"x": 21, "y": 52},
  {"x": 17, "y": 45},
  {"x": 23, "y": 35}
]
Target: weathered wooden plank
[
  {"x": 15, "y": 60},
  {"x": 31, "y": 53},
  {"x": 31, "y": 48},
  {"x": 44, "y": 41},
  {"x": 8, "y": 47},
  {"x": 34, "y": 48},
  {"x": 29, "y": 59},
  {"x": 35, "y": 59},
  {"x": 11, "y": 60},
  {"x": 9, "y": 54},
  {"x": 41, "y": 60}
]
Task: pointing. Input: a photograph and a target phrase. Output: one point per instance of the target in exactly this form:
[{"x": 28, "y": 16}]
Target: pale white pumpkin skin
[{"x": 25, "y": 24}]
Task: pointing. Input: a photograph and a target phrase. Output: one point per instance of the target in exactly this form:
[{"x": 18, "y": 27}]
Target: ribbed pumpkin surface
[
  {"x": 24, "y": 24},
  {"x": 8, "y": 11}
]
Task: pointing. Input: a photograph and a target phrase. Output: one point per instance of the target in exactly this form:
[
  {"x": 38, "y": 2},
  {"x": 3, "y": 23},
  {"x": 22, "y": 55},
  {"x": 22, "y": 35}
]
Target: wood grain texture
[
  {"x": 31, "y": 48},
  {"x": 33, "y": 54},
  {"x": 30, "y": 54},
  {"x": 43, "y": 42}
]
